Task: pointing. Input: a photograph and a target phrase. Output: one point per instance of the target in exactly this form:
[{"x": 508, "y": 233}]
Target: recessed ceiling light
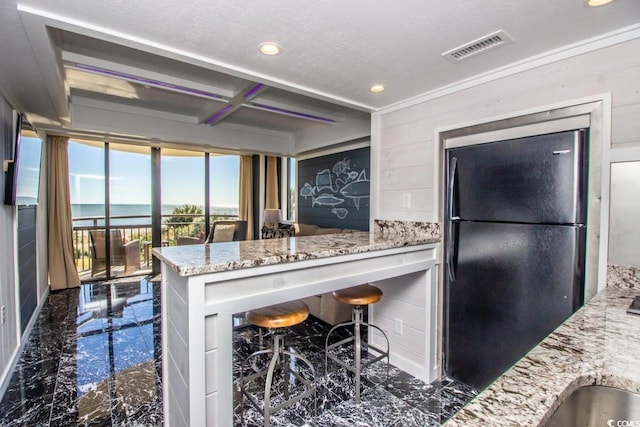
[
  {"x": 596, "y": 3},
  {"x": 376, "y": 88},
  {"x": 269, "y": 48}
]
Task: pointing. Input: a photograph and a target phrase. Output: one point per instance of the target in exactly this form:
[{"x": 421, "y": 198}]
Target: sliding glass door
[
  {"x": 111, "y": 201},
  {"x": 111, "y": 207},
  {"x": 224, "y": 182},
  {"x": 88, "y": 206},
  {"x": 183, "y": 196},
  {"x": 129, "y": 213}
]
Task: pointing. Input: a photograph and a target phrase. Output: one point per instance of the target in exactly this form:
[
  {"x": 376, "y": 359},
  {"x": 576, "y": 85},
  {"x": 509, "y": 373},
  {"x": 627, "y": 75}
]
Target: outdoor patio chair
[
  {"x": 122, "y": 254},
  {"x": 239, "y": 233},
  {"x": 188, "y": 240}
]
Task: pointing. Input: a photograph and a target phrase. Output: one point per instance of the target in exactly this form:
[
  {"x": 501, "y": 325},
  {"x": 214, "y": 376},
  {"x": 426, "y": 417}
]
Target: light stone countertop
[
  {"x": 216, "y": 257},
  {"x": 599, "y": 344}
]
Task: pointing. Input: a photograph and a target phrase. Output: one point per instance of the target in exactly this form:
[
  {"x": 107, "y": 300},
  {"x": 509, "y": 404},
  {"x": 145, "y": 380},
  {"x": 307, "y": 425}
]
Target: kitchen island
[
  {"x": 598, "y": 345},
  {"x": 203, "y": 286}
]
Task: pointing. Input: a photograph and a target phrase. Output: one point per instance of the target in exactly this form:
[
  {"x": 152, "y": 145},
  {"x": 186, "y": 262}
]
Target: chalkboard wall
[{"x": 333, "y": 190}]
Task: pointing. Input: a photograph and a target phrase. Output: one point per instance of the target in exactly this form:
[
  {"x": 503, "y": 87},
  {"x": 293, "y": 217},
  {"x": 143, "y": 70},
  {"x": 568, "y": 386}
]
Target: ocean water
[{"x": 90, "y": 210}]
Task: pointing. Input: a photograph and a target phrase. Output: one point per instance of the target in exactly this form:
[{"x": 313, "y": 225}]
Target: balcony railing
[{"x": 173, "y": 226}]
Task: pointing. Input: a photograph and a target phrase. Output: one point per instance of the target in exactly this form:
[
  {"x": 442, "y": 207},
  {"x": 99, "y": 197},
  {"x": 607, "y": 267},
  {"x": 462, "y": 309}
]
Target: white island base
[{"x": 197, "y": 312}]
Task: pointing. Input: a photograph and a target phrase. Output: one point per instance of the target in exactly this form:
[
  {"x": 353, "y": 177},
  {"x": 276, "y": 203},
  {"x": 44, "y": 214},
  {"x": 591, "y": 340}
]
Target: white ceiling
[{"x": 332, "y": 51}]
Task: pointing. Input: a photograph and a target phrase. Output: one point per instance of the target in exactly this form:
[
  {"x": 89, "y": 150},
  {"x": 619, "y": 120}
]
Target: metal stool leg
[
  {"x": 327, "y": 346},
  {"x": 244, "y": 381},
  {"x": 311, "y": 387},
  {"x": 269, "y": 380},
  {"x": 385, "y": 353},
  {"x": 278, "y": 358},
  {"x": 357, "y": 316}
]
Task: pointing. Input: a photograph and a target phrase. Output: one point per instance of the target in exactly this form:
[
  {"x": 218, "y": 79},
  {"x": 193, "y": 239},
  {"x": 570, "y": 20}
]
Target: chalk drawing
[
  {"x": 307, "y": 190},
  {"x": 326, "y": 199},
  {"x": 358, "y": 189},
  {"x": 335, "y": 186},
  {"x": 342, "y": 166},
  {"x": 324, "y": 180},
  {"x": 341, "y": 213}
]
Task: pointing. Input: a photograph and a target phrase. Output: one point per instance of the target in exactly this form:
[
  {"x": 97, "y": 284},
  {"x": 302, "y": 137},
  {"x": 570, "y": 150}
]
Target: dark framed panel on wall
[
  {"x": 27, "y": 263},
  {"x": 333, "y": 190}
]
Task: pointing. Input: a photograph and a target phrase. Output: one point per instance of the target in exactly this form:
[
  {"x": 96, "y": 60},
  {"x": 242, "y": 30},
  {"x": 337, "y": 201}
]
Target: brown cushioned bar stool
[
  {"x": 356, "y": 296},
  {"x": 274, "y": 317}
]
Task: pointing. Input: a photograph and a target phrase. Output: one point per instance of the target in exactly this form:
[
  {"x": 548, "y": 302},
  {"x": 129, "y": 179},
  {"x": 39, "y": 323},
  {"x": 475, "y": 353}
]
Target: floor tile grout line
[
  {"x": 305, "y": 339},
  {"x": 63, "y": 342}
]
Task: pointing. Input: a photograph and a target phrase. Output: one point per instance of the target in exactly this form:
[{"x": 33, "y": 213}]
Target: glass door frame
[{"x": 155, "y": 154}]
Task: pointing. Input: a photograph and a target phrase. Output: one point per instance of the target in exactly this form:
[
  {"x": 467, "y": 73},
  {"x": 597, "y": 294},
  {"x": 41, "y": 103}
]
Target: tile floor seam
[
  {"x": 416, "y": 403},
  {"x": 57, "y": 382}
]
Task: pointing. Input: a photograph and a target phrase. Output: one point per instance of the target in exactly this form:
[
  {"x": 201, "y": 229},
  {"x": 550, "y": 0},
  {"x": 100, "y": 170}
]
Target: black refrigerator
[{"x": 514, "y": 249}]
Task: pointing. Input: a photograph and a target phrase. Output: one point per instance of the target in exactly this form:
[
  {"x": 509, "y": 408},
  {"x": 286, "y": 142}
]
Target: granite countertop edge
[
  {"x": 219, "y": 257},
  {"x": 596, "y": 346}
]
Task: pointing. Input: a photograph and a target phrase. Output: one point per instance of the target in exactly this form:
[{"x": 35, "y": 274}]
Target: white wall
[
  {"x": 405, "y": 315},
  {"x": 8, "y": 331},
  {"x": 624, "y": 219},
  {"x": 405, "y": 156},
  {"x": 404, "y": 145}
]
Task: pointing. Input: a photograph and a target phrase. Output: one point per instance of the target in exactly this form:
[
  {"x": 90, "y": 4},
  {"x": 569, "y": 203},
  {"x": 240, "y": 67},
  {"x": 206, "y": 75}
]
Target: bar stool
[
  {"x": 275, "y": 317},
  {"x": 356, "y": 296}
]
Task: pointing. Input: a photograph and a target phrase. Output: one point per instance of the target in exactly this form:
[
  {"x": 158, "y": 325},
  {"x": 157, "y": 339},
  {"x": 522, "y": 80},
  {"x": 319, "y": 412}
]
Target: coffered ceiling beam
[
  {"x": 142, "y": 76},
  {"x": 236, "y": 103}
]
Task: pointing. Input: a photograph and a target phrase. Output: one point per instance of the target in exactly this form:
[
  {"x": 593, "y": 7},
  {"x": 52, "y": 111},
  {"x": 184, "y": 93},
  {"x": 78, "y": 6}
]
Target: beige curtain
[
  {"x": 62, "y": 268},
  {"x": 271, "y": 196},
  {"x": 245, "y": 208}
]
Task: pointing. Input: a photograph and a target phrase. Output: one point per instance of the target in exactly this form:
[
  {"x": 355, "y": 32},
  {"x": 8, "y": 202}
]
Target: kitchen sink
[{"x": 598, "y": 406}]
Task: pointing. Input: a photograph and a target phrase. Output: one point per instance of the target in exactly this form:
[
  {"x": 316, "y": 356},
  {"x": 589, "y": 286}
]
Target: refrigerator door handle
[{"x": 453, "y": 164}]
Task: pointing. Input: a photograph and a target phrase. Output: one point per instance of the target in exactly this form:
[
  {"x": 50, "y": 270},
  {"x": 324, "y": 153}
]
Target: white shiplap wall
[
  {"x": 404, "y": 145},
  {"x": 406, "y": 159}
]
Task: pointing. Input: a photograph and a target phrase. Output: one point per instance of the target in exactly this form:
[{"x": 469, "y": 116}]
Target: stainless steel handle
[{"x": 453, "y": 164}]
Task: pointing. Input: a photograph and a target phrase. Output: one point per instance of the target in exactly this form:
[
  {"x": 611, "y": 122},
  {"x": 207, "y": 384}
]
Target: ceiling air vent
[{"x": 481, "y": 45}]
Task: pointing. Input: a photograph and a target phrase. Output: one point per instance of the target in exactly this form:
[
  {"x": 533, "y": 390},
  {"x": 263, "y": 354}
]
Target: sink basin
[{"x": 597, "y": 406}]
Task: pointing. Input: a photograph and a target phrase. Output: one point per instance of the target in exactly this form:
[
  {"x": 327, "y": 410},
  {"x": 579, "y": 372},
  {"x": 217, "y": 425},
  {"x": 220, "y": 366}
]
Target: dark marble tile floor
[
  {"x": 394, "y": 400},
  {"x": 94, "y": 359}
]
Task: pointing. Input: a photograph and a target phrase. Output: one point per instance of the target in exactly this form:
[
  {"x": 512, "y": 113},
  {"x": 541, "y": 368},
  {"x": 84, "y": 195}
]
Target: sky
[{"x": 182, "y": 177}]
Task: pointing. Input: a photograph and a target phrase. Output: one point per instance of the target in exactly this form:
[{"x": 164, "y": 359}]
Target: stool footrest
[
  {"x": 276, "y": 363},
  {"x": 358, "y": 365},
  {"x": 286, "y": 403},
  {"x": 382, "y": 355}
]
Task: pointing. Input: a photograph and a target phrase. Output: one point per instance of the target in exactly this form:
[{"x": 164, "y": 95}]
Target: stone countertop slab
[
  {"x": 216, "y": 257},
  {"x": 599, "y": 344}
]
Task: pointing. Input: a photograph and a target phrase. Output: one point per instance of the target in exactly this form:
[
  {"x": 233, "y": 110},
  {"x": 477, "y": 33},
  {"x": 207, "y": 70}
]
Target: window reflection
[{"x": 116, "y": 348}]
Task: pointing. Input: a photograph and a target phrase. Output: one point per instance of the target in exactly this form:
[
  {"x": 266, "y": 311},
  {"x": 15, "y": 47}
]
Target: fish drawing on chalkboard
[
  {"x": 307, "y": 190},
  {"x": 342, "y": 167},
  {"x": 324, "y": 180},
  {"x": 341, "y": 213},
  {"x": 327, "y": 200},
  {"x": 356, "y": 190}
]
